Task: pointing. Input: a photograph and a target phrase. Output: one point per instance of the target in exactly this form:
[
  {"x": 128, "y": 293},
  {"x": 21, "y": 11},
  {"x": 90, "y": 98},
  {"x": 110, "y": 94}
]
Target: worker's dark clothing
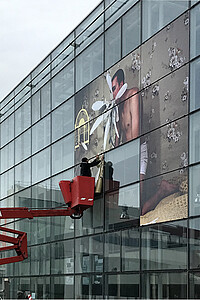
[{"x": 85, "y": 167}]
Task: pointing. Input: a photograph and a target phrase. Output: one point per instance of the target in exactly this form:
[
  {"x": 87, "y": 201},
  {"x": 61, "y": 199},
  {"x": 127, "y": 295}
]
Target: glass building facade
[{"x": 141, "y": 238}]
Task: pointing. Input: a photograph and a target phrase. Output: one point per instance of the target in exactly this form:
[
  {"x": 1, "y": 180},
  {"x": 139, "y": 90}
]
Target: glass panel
[
  {"x": 62, "y": 257},
  {"x": 166, "y": 148},
  {"x": 157, "y": 14},
  {"x": 23, "y": 146},
  {"x": 165, "y": 100},
  {"x": 40, "y": 287},
  {"x": 194, "y": 283},
  {"x": 122, "y": 206},
  {"x": 23, "y": 175},
  {"x": 194, "y": 84},
  {"x": 41, "y": 134},
  {"x": 40, "y": 260},
  {"x": 41, "y": 227},
  {"x": 164, "y": 286},
  {"x": 166, "y": 51},
  {"x": 89, "y": 254},
  {"x": 92, "y": 220},
  {"x": 164, "y": 246},
  {"x": 124, "y": 162},
  {"x": 194, "y": 242},
  {"x": 194, "y": 189},
  {"x": 7, "y": 157},
  {"x": 42, "y": 74},
  {"x": 63, "y": 85},
  {"x": 45, "y": 99},
  {"x": 82, "y": 287},
  {"x": 89, "y": 64},
  {"x": 62, "y": 227},
  {"x": 7, "y": 183},
  {"x": 123, "y": 286},
  {"x": 63, "y": 119},
  {"x": 23, "y": 117},
  {"x": 112, "y": 252},
  {"x": 116, "y": 10},
  {"x": 63, "y": 57},
  {"x": 62, "y": 287},
  {"x": 164, "y": 198},
  {"x": 131, "y": 30},
  {"x": 63, "y": 154},
  {"x": 195, "y": 32},
  {"x": 130, "y": 249},
  {"x": 7, "y": 130},
  {"x": 92, "y": 32},
  {"x": 35, "y": 107},
  {"x": 194, "y": 138},
  {"x": 41, "y": 165},
  {"x": 113, "y": 44}
]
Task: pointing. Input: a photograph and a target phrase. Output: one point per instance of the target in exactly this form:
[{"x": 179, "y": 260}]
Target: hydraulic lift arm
[{"x": 78, "y": 195}]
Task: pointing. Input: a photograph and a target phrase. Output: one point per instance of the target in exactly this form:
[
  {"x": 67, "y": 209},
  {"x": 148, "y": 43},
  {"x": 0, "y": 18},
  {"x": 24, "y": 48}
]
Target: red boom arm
[{"x": 78, "y": 195}]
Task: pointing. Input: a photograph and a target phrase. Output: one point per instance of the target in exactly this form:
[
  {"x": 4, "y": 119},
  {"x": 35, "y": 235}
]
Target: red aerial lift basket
[{"x": 79, "y": 192}]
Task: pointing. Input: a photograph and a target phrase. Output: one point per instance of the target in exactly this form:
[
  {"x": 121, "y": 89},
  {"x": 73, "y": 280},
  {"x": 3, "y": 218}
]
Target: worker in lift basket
[{"x": 85, "y": 165}]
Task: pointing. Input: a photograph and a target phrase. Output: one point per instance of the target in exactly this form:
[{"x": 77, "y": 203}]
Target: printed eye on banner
[{"x": 109, "y": 110}]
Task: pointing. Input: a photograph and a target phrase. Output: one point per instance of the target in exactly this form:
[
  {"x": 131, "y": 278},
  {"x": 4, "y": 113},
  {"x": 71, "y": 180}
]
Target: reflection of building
[{"x": 50, "y": 114}]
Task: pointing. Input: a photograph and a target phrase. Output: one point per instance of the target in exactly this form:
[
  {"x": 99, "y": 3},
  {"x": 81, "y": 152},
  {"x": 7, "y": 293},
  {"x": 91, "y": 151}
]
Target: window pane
[
  {"x": 112, "y": 252},
  {"x": 7, "y": 157},
  {"x": 63, "y": 85},
  {"x": 7, "y": 130},
  {"x": 123, "y": 286},
  {"x": 164, "y": 286},
  {"x": 164, "y": 246},
  {"x": 194, "y": 242},
  {"x": 41, "y": 134},
  {"x": 45, "y": 99},
  {"x": 131, "y": 30},
  {"x": 62, "y": 257},
  {"x": 23, "y": 117},
  {"x": 41, "y": 165},
  {"x": 194, "y": 138},
  {"x": 35, "y": 107},
  {"x": 130, "y": 249},
  {"x": 195, "y": 32},
  {"x": 125, "y": 163},
  {"x": 23, "y": 175},
  {"x": 194, "y": 189},
  {"x": 40, "y": 260},
  {"x": 157, "y": 14},
  {"x": 116, "y": 10},
  {"x": 113, "y": 44},
  {"x": 63, "y": 119},
  {"x": 7, "y": 183},
  {"x": 92, "y": 32},
  {"x": 62, "y": 287},
  {"x": 194, "y": 85},
  {"x": 89, "y": 254},
  {"x": 122, "y": 205},
  {"x": 63, "y": 154},
  {"x": 164, "y": 198},
  {"x": 89, "y": 64},
  {"x": 194, "y": 283},
  {"x": 23, "y": 146}
]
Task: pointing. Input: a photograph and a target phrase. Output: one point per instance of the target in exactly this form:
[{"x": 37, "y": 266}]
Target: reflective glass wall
[{"x": 124, "y": 83}]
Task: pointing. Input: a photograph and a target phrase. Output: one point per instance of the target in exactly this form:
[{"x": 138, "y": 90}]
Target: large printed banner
[{"x": 145, "y": 94}]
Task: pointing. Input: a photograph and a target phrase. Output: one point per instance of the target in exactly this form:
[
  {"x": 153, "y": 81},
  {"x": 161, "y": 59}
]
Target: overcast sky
[{"x": 31, "y": 29}]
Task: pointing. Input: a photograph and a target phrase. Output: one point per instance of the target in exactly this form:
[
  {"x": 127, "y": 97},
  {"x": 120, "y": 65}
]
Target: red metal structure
[{"x": 78, "y": 195}]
